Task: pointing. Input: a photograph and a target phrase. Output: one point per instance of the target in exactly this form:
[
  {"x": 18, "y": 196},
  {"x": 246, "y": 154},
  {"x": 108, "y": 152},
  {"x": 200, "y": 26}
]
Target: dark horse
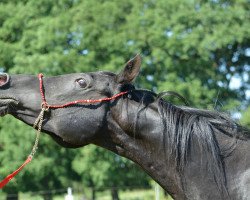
[{"x": 191, "y": 153}]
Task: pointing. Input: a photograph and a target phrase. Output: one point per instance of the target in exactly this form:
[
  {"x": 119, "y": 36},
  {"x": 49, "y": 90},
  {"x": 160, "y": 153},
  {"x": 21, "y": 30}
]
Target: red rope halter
[
  {"x": 46, "y": 106},
  {"x": 81, "y": 101}
]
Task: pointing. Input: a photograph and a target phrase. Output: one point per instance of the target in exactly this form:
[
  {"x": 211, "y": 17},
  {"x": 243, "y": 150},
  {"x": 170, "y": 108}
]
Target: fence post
[
  {"x": 157, "y": 191},
  {"x": 69, "y": 195}
]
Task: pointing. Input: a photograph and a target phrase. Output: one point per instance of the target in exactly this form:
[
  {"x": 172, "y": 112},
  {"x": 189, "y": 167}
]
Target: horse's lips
[
  {"x": 4, "y": 104},
  {"x": 3, "y": 110}
]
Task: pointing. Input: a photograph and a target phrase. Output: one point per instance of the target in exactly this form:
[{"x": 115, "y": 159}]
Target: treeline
[{"x": 199, "y": 49}]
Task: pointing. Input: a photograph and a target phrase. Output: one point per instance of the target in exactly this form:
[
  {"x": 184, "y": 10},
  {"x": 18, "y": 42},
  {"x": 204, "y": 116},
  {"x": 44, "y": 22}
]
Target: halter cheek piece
[{"x": 45, "y": 106}]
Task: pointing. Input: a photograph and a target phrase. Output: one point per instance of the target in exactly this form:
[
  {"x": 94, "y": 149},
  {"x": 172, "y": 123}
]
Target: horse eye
[{"x": 82, "y": 83}]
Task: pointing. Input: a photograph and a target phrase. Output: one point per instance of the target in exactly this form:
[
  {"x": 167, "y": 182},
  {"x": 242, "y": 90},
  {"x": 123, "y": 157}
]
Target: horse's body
[{"x": 191, "y": 153}]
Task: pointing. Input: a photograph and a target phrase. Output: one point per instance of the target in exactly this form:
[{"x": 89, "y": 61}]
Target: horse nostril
[{"x": 4, "y": 79}]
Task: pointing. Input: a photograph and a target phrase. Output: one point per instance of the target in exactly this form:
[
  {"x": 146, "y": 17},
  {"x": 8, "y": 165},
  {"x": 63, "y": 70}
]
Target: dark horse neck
[
  {"x": 197, "y": 161},
  {"x": 144, "y": 146}
]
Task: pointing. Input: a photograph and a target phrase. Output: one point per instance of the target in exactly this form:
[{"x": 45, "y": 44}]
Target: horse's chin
[
  {"x": 64, "y": 143},
  {"x": 6, "y": 103}
]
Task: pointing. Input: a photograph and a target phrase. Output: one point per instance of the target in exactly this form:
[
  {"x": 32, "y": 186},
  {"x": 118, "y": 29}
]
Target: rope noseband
[
  {"x": 45, "y": 106},
  {"x": 81, "y": 101}
]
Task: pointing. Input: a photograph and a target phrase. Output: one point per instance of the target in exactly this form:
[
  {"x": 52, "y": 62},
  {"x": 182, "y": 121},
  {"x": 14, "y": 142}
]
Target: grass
[
  {"x": 142, "y": 194},
  {"x": 139, "y": 194}
]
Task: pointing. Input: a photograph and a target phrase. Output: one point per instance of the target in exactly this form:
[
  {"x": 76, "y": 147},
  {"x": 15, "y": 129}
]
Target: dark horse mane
[{"x": 185, "y": 127}]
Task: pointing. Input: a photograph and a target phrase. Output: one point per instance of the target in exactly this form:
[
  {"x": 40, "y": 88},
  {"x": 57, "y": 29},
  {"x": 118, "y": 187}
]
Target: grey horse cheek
[{"x": 78, "y": 128}]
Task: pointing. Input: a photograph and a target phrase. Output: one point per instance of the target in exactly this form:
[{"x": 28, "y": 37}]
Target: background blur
[{"x": 198, "y": 48}]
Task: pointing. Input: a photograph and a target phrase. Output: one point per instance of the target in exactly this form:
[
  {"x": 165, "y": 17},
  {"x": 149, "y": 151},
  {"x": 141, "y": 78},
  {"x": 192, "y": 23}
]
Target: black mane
[{"x": 184, "y": 126}]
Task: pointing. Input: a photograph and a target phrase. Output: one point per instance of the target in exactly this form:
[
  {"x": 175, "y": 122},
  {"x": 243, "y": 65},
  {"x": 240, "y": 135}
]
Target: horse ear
[{"x": 130, "y": 70}]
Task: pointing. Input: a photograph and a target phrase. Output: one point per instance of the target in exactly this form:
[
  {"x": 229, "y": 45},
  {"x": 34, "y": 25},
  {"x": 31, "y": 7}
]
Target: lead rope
[{"x": 37, "y": 125}]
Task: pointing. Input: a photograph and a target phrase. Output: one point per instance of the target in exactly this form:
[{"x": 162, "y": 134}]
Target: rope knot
[{"x": 45, "y": 106}]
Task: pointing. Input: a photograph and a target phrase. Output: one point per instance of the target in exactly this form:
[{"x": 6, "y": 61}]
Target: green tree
[
  {"x": 245, "y": 120},
  {"x": 101, "y": 169},
  {"x": 50, "y": 168},
  {"x": 199, "y": 43}
]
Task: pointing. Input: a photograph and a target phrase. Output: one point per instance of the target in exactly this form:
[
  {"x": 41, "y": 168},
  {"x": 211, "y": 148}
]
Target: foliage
[
  {"x": 50, "y": 168},
  {"x": 101, "y": 169},
  {"x": 246, "y": 117},
  {"x": 196, "y": 48}
]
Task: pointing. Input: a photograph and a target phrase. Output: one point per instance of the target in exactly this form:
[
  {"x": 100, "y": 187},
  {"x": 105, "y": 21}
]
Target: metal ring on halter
[{"x": 45, "y": 106}]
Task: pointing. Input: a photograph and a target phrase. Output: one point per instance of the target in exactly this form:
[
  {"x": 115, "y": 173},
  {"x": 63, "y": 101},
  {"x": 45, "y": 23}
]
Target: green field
[{"x": 143, "y": 194}]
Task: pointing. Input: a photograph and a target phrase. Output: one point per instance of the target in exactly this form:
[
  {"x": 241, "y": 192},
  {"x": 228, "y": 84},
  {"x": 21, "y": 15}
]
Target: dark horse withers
[{"x": 193, "y": 154}]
